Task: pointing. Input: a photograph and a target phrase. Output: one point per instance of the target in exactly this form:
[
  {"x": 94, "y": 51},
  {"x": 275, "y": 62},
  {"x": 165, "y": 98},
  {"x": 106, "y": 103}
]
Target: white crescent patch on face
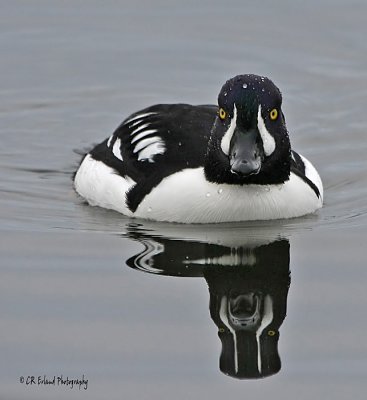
[
  {"x": 268, "y": 140},
  {"x": 226, "y": 139}
]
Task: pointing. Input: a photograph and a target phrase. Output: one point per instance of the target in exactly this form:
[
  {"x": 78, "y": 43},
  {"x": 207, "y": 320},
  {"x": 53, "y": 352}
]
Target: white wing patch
[
  {"x": 137, "y": 118},
  {"x": 116, "y": 149},
  {"x": 146, "y": 145},
  {"x": 109, "y": 141},
  {"x": 141, "y": 135},
  {"x": 149, "y": 147},
  {"x": 146, "y": 142},
  {"x": 138, "y": 129}
]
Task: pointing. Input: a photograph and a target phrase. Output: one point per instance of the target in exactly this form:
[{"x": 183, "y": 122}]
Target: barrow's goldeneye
[{"x": 205, "y": 163}]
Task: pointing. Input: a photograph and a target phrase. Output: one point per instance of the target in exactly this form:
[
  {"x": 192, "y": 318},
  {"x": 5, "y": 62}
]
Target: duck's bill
[{"x": 245, "y": 153}]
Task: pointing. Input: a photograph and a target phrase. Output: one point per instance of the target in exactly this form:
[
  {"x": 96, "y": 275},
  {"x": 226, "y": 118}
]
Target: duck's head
[{"x": 249, "y": 141}]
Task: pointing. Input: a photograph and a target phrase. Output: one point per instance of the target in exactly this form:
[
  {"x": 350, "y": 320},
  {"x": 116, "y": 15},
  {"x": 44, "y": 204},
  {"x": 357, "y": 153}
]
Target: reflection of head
[
  {"x": 248, "y": 279},
  {"x": 248, "y": 305}
]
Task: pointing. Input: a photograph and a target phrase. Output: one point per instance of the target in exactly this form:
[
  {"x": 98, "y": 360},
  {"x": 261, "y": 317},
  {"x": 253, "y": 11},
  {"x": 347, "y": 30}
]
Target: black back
[{"x": 185, "y": 131}]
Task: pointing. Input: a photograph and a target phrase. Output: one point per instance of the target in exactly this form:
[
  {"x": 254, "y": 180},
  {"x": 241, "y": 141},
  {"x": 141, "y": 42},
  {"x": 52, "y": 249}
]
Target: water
[{"x": 136, "y": 306}]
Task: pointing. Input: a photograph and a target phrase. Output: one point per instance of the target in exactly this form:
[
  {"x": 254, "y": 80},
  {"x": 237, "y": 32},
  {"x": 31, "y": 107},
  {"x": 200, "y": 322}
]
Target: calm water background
[{"x": 70, "y": 71}]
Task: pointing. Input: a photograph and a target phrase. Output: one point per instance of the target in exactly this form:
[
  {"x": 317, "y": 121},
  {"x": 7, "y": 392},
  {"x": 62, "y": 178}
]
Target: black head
[{"x": 249, "y": 141}]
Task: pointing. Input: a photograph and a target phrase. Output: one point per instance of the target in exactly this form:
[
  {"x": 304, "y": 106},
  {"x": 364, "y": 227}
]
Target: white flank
[
  {"x": 267, "y": 139},
  {"x": 189, "y": 198},
  {"x": 313, "y": 176},
  {"x": 226, "y": 139},
  {"x": 101, "y": 186},
  {"x": 116, "y": 149}
]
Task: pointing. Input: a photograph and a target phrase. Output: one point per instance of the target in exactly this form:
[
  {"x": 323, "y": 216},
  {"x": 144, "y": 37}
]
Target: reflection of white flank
[
  {"x": 144, "y": 261},
  {"x": 267, "y": 319},
  {"x": 226, "y": 139},
  {"x": 230, "y": 260},
  {"x": 223, "y": 316}
]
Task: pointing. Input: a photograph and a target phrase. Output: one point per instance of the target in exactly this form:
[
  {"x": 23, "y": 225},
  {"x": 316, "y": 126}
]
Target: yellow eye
[
  {"x": 222, "y": 114},
  {"x": 273, "y": 114},
  {"x": 271, "y": 333}
]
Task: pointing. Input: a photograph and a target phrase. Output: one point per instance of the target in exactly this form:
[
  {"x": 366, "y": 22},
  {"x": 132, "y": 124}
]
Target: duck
[{"x": 185, "y": 163}]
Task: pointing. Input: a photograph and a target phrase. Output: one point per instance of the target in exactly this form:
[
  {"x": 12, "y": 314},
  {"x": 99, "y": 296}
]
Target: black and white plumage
[{"x": 203, "y": 164}]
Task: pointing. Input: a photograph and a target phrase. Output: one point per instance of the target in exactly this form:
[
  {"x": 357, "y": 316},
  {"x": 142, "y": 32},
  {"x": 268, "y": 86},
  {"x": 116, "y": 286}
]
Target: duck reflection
[{"x": 248, "y": 279}]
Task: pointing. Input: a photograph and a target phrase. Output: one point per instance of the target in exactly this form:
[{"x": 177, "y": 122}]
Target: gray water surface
[{"x": 69, "y": 303}]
